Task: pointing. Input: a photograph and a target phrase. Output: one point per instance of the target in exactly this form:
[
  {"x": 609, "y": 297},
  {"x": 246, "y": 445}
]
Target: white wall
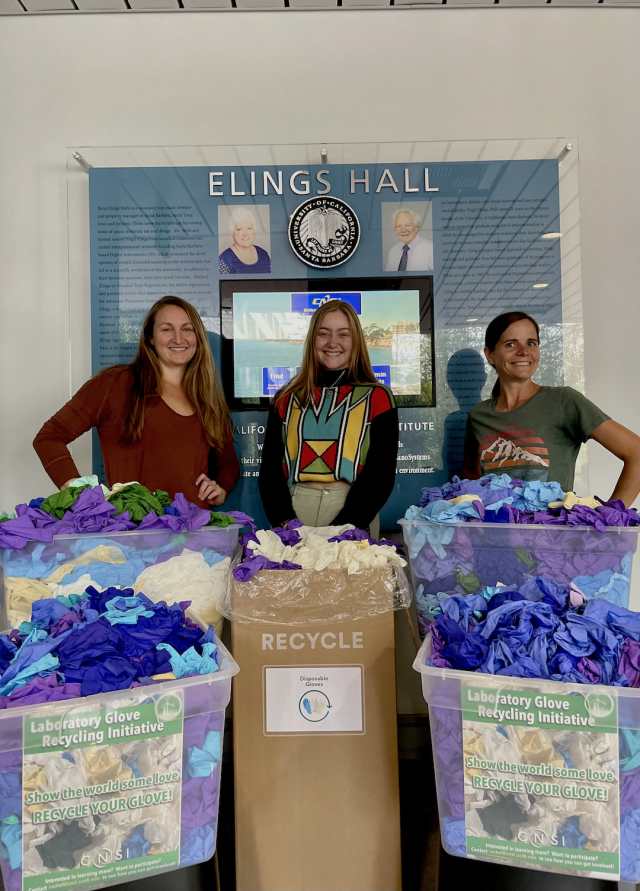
[{"x": 214, "y": 78}]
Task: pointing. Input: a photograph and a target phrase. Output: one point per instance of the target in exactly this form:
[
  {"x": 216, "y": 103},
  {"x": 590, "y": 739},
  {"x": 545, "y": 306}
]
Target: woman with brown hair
[
  {"x": 162, "y": 419},
  {"x": 331, "y": 445},
  {"x": 534, "y": 432}
]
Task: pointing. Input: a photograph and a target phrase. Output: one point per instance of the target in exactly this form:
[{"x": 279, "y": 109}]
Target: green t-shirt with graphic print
[{"x": 539, "y": 440}]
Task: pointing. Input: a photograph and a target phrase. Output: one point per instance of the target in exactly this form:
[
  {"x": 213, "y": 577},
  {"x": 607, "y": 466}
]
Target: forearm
[
  {"x": 276, "y": 496},
  {"x": 224, "y": 467},
  {"x": 628, "y": 486},
  {"x": 54, "y": 455},
  {"x": 624, "y": 444},
  {"x": 80, "y": 414}
]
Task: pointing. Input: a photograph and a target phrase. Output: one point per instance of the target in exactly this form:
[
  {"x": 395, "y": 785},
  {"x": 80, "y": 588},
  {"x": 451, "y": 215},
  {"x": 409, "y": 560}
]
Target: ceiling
[{"x": 22, "y": 7}]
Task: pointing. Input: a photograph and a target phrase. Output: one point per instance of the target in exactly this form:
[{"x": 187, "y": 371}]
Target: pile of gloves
[
  {"x": 192, "y": 557},
  {"x": 539, "y": 630},
  {"x": 97, "y": 642},
  {"x": 101, "y": 641},
  {"x": 87, "y": 507},
  {"x": 295, "y": 546},
  {"x": 473, "y": 534},
  {"x": 500, "y": 499}
]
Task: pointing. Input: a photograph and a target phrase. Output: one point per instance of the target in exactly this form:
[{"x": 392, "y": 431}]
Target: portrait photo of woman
[{"x": 244, "y": 256}]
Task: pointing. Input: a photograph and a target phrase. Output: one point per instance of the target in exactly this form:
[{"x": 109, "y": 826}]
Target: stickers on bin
[
  {"x": 536, "y": 765},
  {"x": 95, "y": 781}
]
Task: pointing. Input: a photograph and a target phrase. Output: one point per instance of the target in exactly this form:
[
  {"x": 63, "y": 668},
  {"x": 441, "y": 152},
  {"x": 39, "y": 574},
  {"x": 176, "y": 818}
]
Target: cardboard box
[{"x": 315, "y": 755}]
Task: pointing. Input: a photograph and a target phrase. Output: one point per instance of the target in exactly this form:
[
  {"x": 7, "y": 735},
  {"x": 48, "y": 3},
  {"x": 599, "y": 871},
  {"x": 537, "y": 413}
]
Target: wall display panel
[{"x": 427, "y": 241}]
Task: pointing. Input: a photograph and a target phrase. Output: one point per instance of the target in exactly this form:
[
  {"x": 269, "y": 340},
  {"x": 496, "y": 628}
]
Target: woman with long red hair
[
  {"x": 162, "y": 419},
  {"x": 331, "y": 445}
]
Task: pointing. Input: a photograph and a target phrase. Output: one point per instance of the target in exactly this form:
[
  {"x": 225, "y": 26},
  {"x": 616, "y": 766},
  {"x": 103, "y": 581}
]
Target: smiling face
[
  {"x": 174, "y": 337},
  {"x": 517, "y": 353},
  {"x": 244, "y": 233},
  {"x": 405, "y": 228},
  {"x": 333, "y": 341}
]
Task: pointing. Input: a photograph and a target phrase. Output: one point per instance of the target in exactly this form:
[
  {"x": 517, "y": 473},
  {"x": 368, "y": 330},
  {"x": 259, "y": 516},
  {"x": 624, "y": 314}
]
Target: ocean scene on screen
[{"x": 268, "y": 335}]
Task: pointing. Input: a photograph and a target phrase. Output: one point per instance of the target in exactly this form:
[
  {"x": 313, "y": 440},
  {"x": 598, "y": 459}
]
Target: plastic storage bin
[
  {"x": 537, "y": 774},
  {"x": 117, "y": 558},
  {"x": 460, "y": 558},
  {"x": 80, "y": 811}
]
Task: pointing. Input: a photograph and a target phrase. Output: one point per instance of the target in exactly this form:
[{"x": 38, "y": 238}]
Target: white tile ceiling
[
  {"x": 260, "y": 4},
  {"x": 207, "y": 4},
  {"x": 367, "y": 3},
  {"x": 150, "y": 4},
  {"x": 99, "y": 5},
  {"x": 312, "y": 4},
  {"x": 50, "y": 5},
  {"x": 20, "y": 7}
]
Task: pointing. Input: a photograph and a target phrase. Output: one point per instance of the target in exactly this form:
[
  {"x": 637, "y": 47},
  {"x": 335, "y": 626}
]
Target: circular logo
[
  {"x": 599, "y": 705},
  {"x": 324, "y": 232},
  {"x": 168, "y": 707},
  {"x": 314, "y": 706}
]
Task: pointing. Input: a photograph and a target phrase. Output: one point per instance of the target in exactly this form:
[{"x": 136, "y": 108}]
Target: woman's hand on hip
[{"x": 210, "y": 491}]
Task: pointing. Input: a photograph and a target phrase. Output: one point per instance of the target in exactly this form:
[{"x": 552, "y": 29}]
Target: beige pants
[{"x": 319, "y": 507}]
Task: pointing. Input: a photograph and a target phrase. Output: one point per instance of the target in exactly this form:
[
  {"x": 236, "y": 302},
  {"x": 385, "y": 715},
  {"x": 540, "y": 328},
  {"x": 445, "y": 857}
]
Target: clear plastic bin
[
  {"x": 563, "y": 829},
  {"x": 459, "y": 558},
  {"x": 119, "y": 558},
  {"x": 169, "y": 815}
]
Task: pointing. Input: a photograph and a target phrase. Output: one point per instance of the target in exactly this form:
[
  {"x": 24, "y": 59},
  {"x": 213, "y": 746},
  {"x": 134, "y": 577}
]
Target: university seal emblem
[{"x": 324, "y": 232}]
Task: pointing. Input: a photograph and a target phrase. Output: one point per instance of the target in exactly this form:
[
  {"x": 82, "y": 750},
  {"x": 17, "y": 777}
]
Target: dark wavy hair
[{"x": 495, "y": 330}]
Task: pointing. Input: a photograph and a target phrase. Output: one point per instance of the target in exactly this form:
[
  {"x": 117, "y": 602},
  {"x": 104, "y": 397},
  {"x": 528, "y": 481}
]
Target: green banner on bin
[
  {"x": 544, "y": 857},
  {"x": 101, "y": 872},
  {"x": 541, "y": 777},
  {"x": 102, "y": 791},
  {"x": 595, "y": 711}
]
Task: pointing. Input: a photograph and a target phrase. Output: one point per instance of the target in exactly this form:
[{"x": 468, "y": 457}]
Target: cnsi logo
[
  {"x": 319, "y": 301},
  {"x": 101, "y": 857},
  {"x": 538, "y": 838}
]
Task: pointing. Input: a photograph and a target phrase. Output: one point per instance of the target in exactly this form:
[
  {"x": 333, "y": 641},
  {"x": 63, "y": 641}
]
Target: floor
[{"x": 425, "y": 866}]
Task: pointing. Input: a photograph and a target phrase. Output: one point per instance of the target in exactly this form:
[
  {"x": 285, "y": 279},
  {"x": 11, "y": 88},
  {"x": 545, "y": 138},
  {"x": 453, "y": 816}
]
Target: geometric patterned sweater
[{"x": 347, "y": 433}]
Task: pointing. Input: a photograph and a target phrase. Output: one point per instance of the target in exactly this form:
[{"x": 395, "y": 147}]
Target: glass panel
[{"x": 488, "y": 227}]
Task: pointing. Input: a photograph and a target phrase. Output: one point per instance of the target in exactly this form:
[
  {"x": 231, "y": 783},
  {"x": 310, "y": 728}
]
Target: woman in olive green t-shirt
[{"x": 533, "y": 432}]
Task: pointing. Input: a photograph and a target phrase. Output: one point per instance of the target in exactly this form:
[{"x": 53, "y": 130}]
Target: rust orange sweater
[{"x": 171, "y": 453}]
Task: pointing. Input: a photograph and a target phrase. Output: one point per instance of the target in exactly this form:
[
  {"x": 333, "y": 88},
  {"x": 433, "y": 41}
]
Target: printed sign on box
[
  {"x": 313, "y": 699},
  {"x": 536, "y": 765},
  {"x": 85, "y": 767},
  {"x": 307, "y": 303}
]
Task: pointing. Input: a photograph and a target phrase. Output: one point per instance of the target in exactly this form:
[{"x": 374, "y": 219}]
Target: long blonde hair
[
  {"x": 359, "y": 369},
  {"x": 200, "y": 383}
]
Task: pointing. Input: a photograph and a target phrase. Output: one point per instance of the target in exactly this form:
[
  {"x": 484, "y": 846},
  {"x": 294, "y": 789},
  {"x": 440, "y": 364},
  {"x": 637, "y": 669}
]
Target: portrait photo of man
[{"x": 411, "y": 252}]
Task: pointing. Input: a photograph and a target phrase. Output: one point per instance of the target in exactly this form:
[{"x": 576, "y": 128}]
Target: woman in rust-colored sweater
[{"x": 162, "y": 420}]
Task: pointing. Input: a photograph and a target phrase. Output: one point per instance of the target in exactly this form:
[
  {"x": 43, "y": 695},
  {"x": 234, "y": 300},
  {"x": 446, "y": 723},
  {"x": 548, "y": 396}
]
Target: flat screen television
[{"x": 264, "y": 324}]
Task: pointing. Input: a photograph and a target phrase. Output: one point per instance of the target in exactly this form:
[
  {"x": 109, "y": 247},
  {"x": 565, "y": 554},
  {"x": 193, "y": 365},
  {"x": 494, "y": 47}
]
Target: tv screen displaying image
[{"x": 265, "y": 323}]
